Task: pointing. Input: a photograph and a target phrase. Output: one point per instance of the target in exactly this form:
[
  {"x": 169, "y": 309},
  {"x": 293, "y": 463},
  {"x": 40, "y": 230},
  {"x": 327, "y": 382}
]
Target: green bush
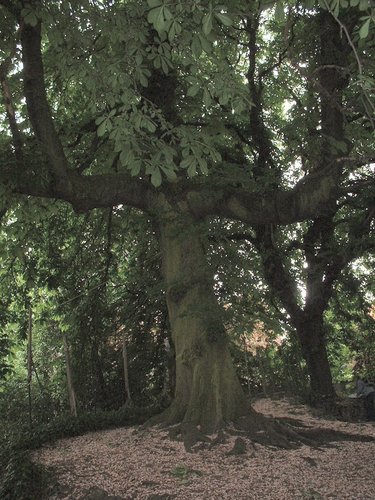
[{"x": 21, "y": 478}]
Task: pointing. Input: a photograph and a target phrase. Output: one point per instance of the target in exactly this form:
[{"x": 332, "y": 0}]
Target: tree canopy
[{"x": 255, "y": 118}]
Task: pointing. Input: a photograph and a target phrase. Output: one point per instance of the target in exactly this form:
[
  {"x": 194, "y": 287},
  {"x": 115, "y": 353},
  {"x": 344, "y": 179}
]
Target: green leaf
[
  {"x": 192, "y": 171},
  {"x": 124, "y": 159},
  {"x": 207, "y": 98},
  {"x": 364, "y": 4},
  {"x": 187, "y": 162},
  {"x": 156, "y": 17},
  {"x": 174, "y": 30},
  {"x": 167, "y": 14},
  {"x": 135, "y": 167},
  {"x": 157, "y": 62},
  {"x": 196, "y": 46},
  {"x": 363, "y": 32},
  {"x": 206, "y": 44},
  {"x": 193, "y": 90},
  {"x": 224, "y": 18},
  {"x": 99, "y": 120},
  {"x": 142, "y": 79},
  {"x": 279, "y": 12},
  {"x": 354, "y": 3},
  {"x": 207, "y": 23},
  {"x": 224, "y": 98},
  {"x": 149, "y": 125},
  {"x": 29, "y": 16},
  {"x": 169, "y": 172},
  {"x": 156, "y": 177},
  {"x": 336, "y": 10},
  {"x": 102, "y": 128},
  {"x": 203, "y": 165},
  {"x": 164, "y": 65},
  {"x": 154, "y": 3}
]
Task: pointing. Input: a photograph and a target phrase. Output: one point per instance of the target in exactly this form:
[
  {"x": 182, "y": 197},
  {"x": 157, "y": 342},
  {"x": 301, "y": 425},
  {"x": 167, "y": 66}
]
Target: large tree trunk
[{"x": 208, "y": 393}]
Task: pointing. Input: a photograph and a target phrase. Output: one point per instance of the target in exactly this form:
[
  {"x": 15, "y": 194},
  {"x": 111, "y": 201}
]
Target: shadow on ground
[{"x": 323, "y": 436}]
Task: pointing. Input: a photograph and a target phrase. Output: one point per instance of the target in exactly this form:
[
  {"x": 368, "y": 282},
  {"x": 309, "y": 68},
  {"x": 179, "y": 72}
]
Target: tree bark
[
  {"x": 128, "y": 398},
  {"x": 312, "y": 339},
  {"x": 69, "y": 377},
  {"x": 208, "y": 393},
  {"x": 30, "y": 362}
]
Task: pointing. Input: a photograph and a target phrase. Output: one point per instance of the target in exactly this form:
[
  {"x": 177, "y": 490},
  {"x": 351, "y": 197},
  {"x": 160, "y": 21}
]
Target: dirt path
[{"x": 126, "y": 464}]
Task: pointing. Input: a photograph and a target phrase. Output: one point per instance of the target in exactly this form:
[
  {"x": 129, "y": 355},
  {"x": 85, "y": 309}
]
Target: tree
[
  {"x": 330, "y": 242},
  {"x": 127, "y": 102},
  {"x": 333, "y": 240}
]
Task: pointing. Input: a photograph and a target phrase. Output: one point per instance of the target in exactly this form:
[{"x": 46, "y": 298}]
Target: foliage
[
  {"x": 21, "y": 478},
  {"x": 236, "y": 115},
  {"x": 351, "y": 322},
  {"x": 91, "y": 302}
]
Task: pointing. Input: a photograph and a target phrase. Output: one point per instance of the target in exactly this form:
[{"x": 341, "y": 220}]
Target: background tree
[{"x": 317, "y": 138}]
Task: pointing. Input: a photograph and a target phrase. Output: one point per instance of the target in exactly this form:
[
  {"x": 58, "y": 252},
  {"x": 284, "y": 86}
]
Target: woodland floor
[{"x": 125, "y": 464}]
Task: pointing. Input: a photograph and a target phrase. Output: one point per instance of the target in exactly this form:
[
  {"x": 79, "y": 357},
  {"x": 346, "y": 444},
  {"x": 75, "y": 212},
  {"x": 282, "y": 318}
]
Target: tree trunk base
[{"x": 251, "y": 428}]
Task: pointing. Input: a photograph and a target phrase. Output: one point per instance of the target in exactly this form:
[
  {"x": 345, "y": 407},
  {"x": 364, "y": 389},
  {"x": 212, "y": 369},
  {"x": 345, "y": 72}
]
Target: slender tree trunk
[
  {"x": 128, "y": 398},
  {"x": 69, "y": 377},
  {"x": 30, "y": 362},
  {"x": 311, "y": 336},
  {"x": 168, "y": 380},
  {"x": 208, "y": 393},
  {"x": 100, "y": 385},
  {"x": 307, "y": 321}
]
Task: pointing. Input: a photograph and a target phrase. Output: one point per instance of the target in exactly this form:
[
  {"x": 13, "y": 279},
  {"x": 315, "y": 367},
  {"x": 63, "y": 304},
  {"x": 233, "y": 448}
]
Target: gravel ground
[{"x": 125, "y": 464}]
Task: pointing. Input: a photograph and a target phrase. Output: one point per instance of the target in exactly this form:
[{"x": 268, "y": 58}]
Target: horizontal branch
[
  {"x": 86, "y": 192},
  {"x": 312, "y": 196}
]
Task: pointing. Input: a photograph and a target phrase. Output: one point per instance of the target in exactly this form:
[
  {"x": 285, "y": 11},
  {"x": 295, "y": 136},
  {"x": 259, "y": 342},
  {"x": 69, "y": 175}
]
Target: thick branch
[
  {"x": 96, "y": 191},
  {"x": 276, "y": 274},
  {"x": 39, "y": 110},
  {"x": 310, "y": 197}
]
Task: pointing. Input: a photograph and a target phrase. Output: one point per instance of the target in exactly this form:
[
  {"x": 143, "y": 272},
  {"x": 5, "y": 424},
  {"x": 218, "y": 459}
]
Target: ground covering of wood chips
[{"x": 125, "y": 464}]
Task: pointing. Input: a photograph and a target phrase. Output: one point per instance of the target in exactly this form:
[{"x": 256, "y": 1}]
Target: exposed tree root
[
  {"x": 253, "y": 428},
  {"x": 269, "y": 432},
  {"x": 239, "y": 447},
  {"x": 189, "y": 434}
]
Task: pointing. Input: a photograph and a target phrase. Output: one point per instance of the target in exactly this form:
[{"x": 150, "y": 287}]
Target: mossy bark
[{"x": 208, "y": 393}]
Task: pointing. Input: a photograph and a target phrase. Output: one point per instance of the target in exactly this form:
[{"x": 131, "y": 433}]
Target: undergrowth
[{"x": 23, "y": 479}]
